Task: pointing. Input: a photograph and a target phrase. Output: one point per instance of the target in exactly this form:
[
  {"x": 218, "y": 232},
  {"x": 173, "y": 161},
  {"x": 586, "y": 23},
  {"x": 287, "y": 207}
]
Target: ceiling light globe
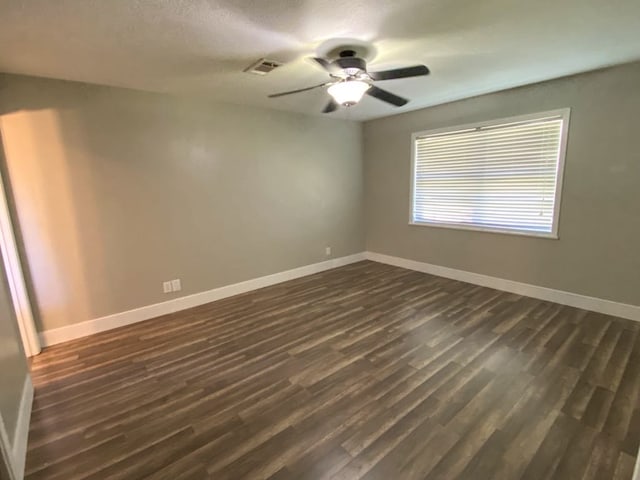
[{"x": 349, "y": 92}]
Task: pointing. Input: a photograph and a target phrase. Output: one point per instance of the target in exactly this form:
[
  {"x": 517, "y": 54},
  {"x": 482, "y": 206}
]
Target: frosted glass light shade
[{"x": 348, "y": 92}]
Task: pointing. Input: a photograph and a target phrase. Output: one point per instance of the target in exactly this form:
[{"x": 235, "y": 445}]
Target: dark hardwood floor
[{"x": 366, "y": 371}]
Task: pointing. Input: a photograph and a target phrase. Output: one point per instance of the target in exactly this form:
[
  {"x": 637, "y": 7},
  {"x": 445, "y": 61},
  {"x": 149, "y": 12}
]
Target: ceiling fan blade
[
  {"x": 405, "y": 72},
  {"x": 386, "y": 96},
  {"x": 274, "y": 95},
  {"x": 332, "y": 106},
  {"x": 328, "y": 66}
]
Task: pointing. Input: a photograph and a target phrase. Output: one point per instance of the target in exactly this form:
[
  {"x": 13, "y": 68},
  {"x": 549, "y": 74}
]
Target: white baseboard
[
  {"x": 78, "y": 330},
  {"x": 623, "y": 310},
  {"x": 21, "y": 436},
  {"x": 88, "y": 327}
]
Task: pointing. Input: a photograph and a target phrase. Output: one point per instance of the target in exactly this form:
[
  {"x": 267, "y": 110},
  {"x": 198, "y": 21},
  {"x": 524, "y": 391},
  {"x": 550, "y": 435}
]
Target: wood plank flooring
[{"x": 366, "y": 371}]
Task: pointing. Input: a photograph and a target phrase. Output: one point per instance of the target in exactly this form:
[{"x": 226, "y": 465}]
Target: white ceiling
[{"x": 201, "y": 47}]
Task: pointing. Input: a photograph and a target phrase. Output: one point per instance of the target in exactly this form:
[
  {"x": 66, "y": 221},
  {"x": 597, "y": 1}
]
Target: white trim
[
  {"x": 558, "y": 112},
  {"x": 562, "y": 154},
  {"x": 457, "y": 226},
  {"x": 608, "y": 307},
  {"x": 15, "y": 278},
  {"x": 6, "y": 454},
  {"x": 78, "y": 330},
  {"x": 564, "y": 113},
  {"x": 16, "y": 454},
  {"x": 21, "y": 437}
]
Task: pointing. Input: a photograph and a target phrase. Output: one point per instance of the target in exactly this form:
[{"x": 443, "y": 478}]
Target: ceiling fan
[{"x": 350, "y": 81}]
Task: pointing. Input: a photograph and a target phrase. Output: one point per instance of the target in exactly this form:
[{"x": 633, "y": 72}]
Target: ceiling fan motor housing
[
  {"x": 350, "y": 79},
  {"x": 351, "y": 64}
]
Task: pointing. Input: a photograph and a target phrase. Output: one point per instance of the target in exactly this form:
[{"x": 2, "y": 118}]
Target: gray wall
[
  {"x": 118, "y": 190},
  {"x": 598, "y": 252},
  {"x": 13, "y": 363}
]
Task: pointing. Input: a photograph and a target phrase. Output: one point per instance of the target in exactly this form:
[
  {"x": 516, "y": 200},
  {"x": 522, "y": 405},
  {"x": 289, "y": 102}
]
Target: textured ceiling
[{"x": 201, "y": 47}]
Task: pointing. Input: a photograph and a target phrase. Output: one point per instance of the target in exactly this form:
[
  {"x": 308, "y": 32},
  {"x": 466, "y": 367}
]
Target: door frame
[
  {"x": 6, "y": 452},
  {"x": 15, "y": 277}
]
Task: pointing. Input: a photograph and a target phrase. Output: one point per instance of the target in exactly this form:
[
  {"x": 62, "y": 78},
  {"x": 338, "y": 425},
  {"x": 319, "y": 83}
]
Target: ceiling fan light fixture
[
  {"x": 348, "y": 92},
  {"x": 350, "y": 80}
]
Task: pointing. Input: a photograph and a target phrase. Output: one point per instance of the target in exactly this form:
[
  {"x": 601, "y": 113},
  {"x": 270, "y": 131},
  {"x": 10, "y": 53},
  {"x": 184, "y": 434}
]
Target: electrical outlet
[
  {"x": 327, "y": 251},
  {"x": 166, "y": 287},
  {"x": 176, "y": 286}
]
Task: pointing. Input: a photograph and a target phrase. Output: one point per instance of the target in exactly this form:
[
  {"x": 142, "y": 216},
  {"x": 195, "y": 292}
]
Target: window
[{"x": 504, "y": 175}]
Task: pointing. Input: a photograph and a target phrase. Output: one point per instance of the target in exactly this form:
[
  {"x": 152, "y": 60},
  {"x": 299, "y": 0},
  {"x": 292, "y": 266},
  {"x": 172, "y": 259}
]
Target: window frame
[{"x": 563, "y": 113}]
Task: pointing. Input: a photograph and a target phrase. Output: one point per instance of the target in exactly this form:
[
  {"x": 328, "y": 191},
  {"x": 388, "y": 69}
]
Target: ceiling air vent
[{"x": 262, "y": 66}]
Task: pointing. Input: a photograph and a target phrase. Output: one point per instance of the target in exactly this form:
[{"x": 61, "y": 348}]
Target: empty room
[{"x": 319, "y": 240}]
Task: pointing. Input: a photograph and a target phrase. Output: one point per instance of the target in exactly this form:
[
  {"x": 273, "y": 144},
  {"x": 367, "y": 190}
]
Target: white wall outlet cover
[
  {"x": 176, "y": 286},
  {"x": 327, "y": 251},
  {"x": 166, "y": 287}
]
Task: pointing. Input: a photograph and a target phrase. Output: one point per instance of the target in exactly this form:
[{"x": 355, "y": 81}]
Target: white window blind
[{"x": 502, "y": 176}]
